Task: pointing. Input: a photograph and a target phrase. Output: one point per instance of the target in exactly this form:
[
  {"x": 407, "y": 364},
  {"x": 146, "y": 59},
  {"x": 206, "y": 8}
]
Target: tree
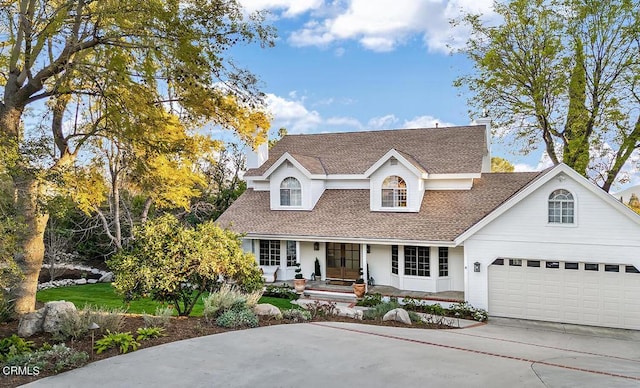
[
  {"x": 501, "y": 165},
  {"x": 634, "y": 203},
  {"x": 170, "y": 52},
  {"x": 177, "y": 264},
  {"x": 563, "y": 73}
]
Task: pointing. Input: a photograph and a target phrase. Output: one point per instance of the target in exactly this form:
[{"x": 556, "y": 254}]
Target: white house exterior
[{"x": 419, "y": 210}]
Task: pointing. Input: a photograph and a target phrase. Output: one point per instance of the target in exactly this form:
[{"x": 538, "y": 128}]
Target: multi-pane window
[
  {"x": 394, "y": 192},
  {"x": 416, "y": 261},
  {"x": 290, "y": 192},
  {"x": 292, "y": 257},
  {"x": 394, "y": 259},
  {"x": 561, "y": 207},
  {"x": 443, "y": 261},
  {"x": 269, "y": 252}
]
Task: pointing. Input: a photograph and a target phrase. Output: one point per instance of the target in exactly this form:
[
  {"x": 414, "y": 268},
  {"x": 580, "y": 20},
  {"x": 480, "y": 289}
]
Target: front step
[{"x": 330, "y": 295}]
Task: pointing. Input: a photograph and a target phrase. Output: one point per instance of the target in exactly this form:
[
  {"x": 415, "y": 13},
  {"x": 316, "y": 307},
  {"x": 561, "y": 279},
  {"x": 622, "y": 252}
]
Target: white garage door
[{"x": 582, "y": 293}]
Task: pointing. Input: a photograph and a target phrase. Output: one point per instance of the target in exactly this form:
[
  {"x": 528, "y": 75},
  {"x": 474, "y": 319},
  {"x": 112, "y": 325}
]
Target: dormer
[
  {"x": 295, "y": 182},
  {"x": 396, "y": 183}
]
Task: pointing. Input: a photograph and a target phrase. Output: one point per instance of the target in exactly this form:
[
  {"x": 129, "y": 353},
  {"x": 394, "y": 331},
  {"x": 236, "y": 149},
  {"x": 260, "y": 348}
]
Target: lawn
[{"x": 102, "y": 294}]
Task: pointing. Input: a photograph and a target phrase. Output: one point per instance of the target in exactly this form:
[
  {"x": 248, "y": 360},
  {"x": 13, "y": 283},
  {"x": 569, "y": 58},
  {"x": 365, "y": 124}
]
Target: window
[
  {"x": 269, "y": 252},
  {"x": 611, "y": 268},
  {"x": 416, "y": 261},
  {"x": 394, "y": 192},
  {"x": 498, "y": 262},
  {"x": 290, "y": 192},
  {"x": 533, "y": 263},
  {"x": 292, "y": 257},
  {"x": 443, "y": 261},
  {"x": 515, "y": 262},
  {"x": 630, "y": 269},
  {"x": 561, "y": 207},
  {"x": 394, "y": 259},
  {"x": 571, "y": 265},
  {"x": 591, "y": 267},
  {"x": 552, "y": 264}
]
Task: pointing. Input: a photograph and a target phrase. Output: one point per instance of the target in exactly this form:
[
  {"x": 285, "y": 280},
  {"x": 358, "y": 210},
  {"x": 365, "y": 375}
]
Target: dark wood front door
[{"x": 343, "y": 261}]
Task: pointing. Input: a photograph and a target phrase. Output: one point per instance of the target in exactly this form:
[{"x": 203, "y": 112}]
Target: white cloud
[
  {"x": 385, "y": 122},
  {"x": 291, "y": 114},
  {"x": 523, "y": 167},
  {"x": 379, "y": 26},
  {"x": 289, "y": 8},
  {"x": 425, "y": 122}
]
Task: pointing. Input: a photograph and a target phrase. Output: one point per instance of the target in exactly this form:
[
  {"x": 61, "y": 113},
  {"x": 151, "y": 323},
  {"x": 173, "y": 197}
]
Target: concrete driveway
[{"x": 347, "y": 354}]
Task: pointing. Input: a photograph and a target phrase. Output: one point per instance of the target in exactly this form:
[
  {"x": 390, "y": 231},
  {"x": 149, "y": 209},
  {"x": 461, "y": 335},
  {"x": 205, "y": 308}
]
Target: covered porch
[{"x": 322, "y": 288}]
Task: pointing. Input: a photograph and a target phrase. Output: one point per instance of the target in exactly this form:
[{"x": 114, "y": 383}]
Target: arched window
[
  {"x": 394, "y": 192},
  {"x": 561, "y": 207},
  {"x": 290, "y": 192}
]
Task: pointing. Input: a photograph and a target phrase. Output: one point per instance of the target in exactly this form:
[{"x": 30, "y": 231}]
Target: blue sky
[{"x": 350, "y": 65}]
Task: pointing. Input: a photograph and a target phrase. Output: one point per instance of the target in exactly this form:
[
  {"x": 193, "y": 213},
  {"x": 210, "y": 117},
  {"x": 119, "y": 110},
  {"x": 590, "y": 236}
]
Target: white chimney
[
  {"x": 255, "y": 158},
  {"x": 486, "y": 121}
]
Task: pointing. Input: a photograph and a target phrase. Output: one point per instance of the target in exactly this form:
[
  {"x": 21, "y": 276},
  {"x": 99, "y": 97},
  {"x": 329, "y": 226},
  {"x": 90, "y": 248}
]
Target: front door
[{"x": 343, "y": 261}]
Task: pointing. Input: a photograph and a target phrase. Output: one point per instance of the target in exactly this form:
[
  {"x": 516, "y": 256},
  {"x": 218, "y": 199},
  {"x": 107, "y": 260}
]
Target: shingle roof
[
  {"x": 443, "y": 215},
  {"x": 436, "y": 150}
]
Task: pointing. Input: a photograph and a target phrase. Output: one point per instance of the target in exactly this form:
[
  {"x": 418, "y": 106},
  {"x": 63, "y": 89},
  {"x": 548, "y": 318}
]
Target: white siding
[
  {"x": 311, "y": 189},
  {"x": 601, "y": 234},
  {"x": 449, "y": 184}
]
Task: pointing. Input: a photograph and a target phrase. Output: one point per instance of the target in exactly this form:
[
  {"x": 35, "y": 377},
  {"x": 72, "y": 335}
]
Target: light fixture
[
  {"x": 476, "y": 267},
  {"x": 368, "y": 248},
  {"x": 316, "y": 246}
]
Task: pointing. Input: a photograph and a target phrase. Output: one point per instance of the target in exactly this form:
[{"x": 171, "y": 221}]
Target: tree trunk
[{"x": 30, "y": 259}]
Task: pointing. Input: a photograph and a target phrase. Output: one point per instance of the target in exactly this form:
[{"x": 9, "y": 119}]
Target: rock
[
  {"x": 106, "y": 278},
  {"x": 55, "y": 313},
  {"x": 348, "y": 312},
  {"x": 31, "y": 323},
  {"x": 268, "y": 310},
  {"x": 92, "y": 281},
  {"x": 81, "y": 281},
  {"x": 399, "y": 315}
]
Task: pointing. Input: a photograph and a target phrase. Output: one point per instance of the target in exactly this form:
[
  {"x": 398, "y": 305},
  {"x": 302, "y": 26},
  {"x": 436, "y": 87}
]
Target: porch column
[{"x": 365, "y": 275}]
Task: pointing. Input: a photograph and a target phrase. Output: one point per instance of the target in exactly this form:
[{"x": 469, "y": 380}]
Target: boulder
[
  {"x": 81, "y": 281},
  {"x": 54, "y": 314},
  {"x": 31, "y": 323},
  {"x": 106, "y": 278},
  {"x": 92, "y": 281},
  {"x": 267, "y": 310},
  {"x": 348, "y": 312},
  {"x": 398, "y": 315}
]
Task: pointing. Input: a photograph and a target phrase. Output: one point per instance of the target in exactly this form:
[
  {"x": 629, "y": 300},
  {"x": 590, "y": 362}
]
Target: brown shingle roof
[
  {"x": 312, "y": 164},
  {"x": 436, "y": 150},
  {"x": 443, "y": 215}
]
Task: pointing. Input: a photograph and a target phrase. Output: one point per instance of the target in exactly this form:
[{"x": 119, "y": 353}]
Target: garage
[{"x": 585, "y": 293}]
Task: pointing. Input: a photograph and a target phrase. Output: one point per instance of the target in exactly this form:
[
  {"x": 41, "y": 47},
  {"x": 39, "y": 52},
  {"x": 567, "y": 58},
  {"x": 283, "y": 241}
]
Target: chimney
[
  {"x": 486, "y": 121},
  {"x": 255, "y": 158}
]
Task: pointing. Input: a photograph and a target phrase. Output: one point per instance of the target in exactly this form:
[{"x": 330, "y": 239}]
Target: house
[{"x": 420, "y": 210}]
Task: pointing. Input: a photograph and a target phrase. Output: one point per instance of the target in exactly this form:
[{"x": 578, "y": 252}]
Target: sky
[{"x": 353, "y": 65}]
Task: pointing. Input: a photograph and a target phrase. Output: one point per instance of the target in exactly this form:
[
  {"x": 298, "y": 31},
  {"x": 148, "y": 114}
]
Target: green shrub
[
  {"x": 296, "y": 315},
  {"x": 370, "y": 300},
  {"x": 161, "y": 318},
  {"x": 237, "y": 318},
  {"x": 377, "y": 312},
  {"x": 465, "y": 310},
  {"x": 319, "y": 309},
  {"x": 228, "y": 298},
  {"x": 13, "y": 346},
  {"x": 283, "y": 292},
  {"x": 75, "y": 324},
  {"x": 415, "y": 317},
  {"x": 7, "y": 311},
  {"x": 435, "y": 309},
  {"x": 123, "y": 341},
  {"x": 146, "y": 333},
  {"x": 56, "y": 358}
]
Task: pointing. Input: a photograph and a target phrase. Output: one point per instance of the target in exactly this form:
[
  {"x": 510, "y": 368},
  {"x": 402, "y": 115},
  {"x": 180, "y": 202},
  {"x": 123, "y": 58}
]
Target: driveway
[{"x": 348, "y": 354}]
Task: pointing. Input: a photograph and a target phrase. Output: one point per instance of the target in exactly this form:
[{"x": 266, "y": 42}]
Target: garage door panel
[{"x": 598, "y": 298}]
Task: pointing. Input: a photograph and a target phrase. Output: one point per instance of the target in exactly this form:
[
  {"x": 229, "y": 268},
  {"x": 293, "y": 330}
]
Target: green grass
[{"x": 104, "y": 295}]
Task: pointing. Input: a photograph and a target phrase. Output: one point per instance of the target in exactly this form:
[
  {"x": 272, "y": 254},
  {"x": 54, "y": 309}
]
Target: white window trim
[{"x": 574, "y": 224}]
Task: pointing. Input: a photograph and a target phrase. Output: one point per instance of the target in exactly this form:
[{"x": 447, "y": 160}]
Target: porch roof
[{"x": 443, "y": 215}]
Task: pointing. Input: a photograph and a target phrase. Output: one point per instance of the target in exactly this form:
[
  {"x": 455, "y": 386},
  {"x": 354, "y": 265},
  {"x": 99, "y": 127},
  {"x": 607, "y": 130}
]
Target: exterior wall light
[
  {"x": 476, "y": 267},
  {"x": 316, "y": 246}
]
